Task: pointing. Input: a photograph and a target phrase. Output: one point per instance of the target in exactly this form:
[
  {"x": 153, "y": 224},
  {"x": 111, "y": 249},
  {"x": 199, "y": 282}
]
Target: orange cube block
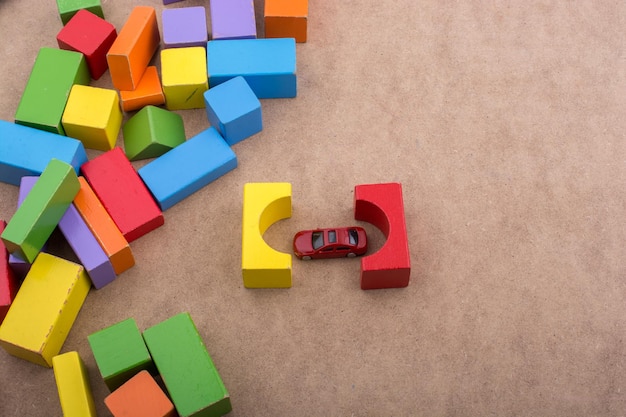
[
  {"x": 286, "y": 19},
  {"x": 148, "y": 92},
  {"x": 140, "y": 396},
  {"x": 133, "y": 49}
]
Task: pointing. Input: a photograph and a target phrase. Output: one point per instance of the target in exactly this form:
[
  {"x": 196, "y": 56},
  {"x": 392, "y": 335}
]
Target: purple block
[
  {"x": 232, "y": 19},
  {"x": 184, "y": 26},
  {"x": 19, "y": 266},
  {"x": 170, "y": 1}
]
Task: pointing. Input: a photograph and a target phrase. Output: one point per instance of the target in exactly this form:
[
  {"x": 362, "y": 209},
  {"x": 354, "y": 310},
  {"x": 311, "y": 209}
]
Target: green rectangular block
[
  {"x": 120, "y": 353},
  {"x": 40, "y": 212},
  {"x": 186, "y": 368},
  {"x": 68, "y": 8},
  {"x": 54, "y": 73}
]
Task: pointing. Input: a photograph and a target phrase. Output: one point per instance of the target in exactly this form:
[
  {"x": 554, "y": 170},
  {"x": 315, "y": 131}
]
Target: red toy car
[{"x": 330, "y": 243}]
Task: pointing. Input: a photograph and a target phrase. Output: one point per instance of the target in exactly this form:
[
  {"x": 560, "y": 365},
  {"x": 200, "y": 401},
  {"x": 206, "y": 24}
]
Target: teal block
[
  {"x": 151, "y": 132},
  {"x": 54, "y": 73},
  {"x": 42, "y": 209},
  {"x": 120, "y": 353},
  {"x": 68, "y": 8},
  {"x": 187, "y": 370}
]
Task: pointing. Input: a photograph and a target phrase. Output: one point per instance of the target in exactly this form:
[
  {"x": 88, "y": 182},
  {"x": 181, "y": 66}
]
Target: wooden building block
[
  {"x": 188, "y": 167},
  {"x": 120, "y": 352},
  {"x": 27, "y": 151},
  {"x": 140, "y": 396},
  {"x": 184, "y": 27},
  {"x": 286, "y": 19},
  {"x": 268, "y": 65},
  {"x": 233, "y": 19},
  {"x": 103, "y": 228},
  {"x": 234, "y": 110},
  {"x": 90, "y": 35},
  {"x": 263, "y": 205},
  {"x": 382, "y": 206},
  {"x": 73, "y": 386},
  {"x": 44, "y": 309},
  {"x": 184, "y": 77},
  {"x": 123, "y": 194},
  {"x": 68, "y": 8},
  {"x": 188, "y": 372},
  {"x": 9, "y": 283},
  {"x": 151, "y": 132},
  {"x": 148, "y": 92},
  {"x": 54, "y": 73},
  {"x": 93, "y": 116},
  {"x": 35, "y": 220},
  {"x": 134, "y": 47}
]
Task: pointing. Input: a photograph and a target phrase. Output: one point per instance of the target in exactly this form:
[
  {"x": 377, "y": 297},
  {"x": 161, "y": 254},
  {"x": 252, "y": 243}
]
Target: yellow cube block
[
  {"x": 72, "y": 381},
  {"x": 44, "y": 309},
  {"x": 93, "y": 116},
  {"x": 184, "y": 77}
]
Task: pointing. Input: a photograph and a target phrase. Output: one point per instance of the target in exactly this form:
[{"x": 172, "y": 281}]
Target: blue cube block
[
  {"x": 268, "y": 65},
  {"x": 234, "y": 110},
  {"x": 187, "y": 168}
]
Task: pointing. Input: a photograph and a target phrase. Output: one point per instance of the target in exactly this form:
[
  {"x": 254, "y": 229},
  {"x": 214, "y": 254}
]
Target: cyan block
[
  {"x": 187, "y": 168},
  {"x": 268, "y": 65},
  {"x": 27, "y": 151},
  {"x": 234, "y": 110}
]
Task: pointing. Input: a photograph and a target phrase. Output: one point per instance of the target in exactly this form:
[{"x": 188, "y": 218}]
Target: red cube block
[{"x": 90, "y": 35}]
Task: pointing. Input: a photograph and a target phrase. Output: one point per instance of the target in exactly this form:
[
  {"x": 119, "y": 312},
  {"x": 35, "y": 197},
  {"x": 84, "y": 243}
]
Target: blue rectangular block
[
  {"x": 188, "y": 167},
  {"x": 27, "y": 151},
  {"x": 268, "y": 65}
]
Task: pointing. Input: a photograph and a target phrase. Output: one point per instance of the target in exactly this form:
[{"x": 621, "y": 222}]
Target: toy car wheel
[
  {"x": 306, "y": 258},
  {"x": 351, "y": 255}
]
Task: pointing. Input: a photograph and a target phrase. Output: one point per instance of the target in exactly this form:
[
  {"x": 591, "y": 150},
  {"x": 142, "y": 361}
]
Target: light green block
[
  {"x": 54, "y": 73},
  {"x": 40, "y": 212},
  {"x": 152, "y": 132},
  {"x": 186, "y": 368},
  {"x": 68, "y": 8}
]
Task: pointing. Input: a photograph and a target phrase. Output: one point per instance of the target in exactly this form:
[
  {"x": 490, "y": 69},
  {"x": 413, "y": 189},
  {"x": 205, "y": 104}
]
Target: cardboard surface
[{"x": 505, "y": 124}]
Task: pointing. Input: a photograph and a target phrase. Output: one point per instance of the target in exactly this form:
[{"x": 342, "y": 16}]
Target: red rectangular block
[
  {"x": 123, "y": 194},
  {"x": 9, "y": 283}
]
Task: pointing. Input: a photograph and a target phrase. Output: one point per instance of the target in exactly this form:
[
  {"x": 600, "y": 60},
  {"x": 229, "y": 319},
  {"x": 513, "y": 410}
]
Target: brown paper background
[{"x": 504, "y": 122}]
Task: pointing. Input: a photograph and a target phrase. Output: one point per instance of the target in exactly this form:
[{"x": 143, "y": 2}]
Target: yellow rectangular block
[
  {"x": 44, "y": 309},
  {"x": 73, "y": 385},
  {"x": 184, "y": 77}
]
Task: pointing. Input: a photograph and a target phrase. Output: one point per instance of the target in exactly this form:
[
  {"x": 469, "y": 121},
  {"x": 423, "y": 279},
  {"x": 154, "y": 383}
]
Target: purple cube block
[
  {"x": 233, "y": 19},
  {"x": 171, "y": 1},
  {"x": 184, "y": 26}
]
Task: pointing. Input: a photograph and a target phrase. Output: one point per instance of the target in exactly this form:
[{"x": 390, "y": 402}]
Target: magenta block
[
  {"x": 232, "y": 19},
  {"x": 184, "y": 26}
]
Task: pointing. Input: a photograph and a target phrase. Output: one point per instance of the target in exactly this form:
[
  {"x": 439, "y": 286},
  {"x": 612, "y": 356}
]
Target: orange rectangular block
[
  {"x": 140, "y": 396},
  {"x": 286, "y": 19},
  {"x": 134, "y": 47},
  {"x": 103, "y": 227},
  {"x": 148, "y": 92}
]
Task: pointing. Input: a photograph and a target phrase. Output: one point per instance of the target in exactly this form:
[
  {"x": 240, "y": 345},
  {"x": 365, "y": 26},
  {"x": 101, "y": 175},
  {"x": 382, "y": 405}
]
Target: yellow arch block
[{"x": 263, "y": 205}]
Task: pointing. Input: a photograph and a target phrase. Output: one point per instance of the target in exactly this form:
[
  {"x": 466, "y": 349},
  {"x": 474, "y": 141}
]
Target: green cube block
[
  {"x": 68, "y": 8},
  {"x": 120, "y": 353},
  {"x": 54, "y": 73},
  {"x": 186, "y": 368},
  {"x": 152, "y": 132},
  {"x": 40, "y": 212}
]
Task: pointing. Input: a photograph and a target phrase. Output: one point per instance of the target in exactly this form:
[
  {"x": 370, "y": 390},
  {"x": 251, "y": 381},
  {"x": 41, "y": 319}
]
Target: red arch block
[{"x": 382, "y": 206}]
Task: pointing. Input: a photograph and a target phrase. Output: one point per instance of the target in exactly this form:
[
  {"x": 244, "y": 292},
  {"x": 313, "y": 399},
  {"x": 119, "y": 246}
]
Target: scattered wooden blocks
[
  {"x": 133, "y": 49},
  {"x": 68, "y": 8},
  {"x": 188, "y": 167},
  {"x": 44, "y": 309},
  {"x": 263, "y": 205},
  {"x": 120, "y": 353},
  {"x": 35, "y": 219},
  {"x": 233, "y": 19},
  {"x": 148, "y": 92},
  {"x": 73, "y": 385},
  {"x": 186, "y": 368},
  {"x": 382, "y": 206},
  {"x": 234, "y": 110},
  {"x": 54, "y": 73},
  {"x": 140, "y": 396},
  {"x": 184, "y": 77},
  {"x": 268, "y": 65},
  {"x": 90, "y": 35},
  {"x": 93, "y": 116},
  {"x": 286, "y": 19},
  {"x": 152, "y": 132},
  {"x": 184, "y": 27},
  {"x": 9, "y": 284},
  {"x": 123, "y": 194}
]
